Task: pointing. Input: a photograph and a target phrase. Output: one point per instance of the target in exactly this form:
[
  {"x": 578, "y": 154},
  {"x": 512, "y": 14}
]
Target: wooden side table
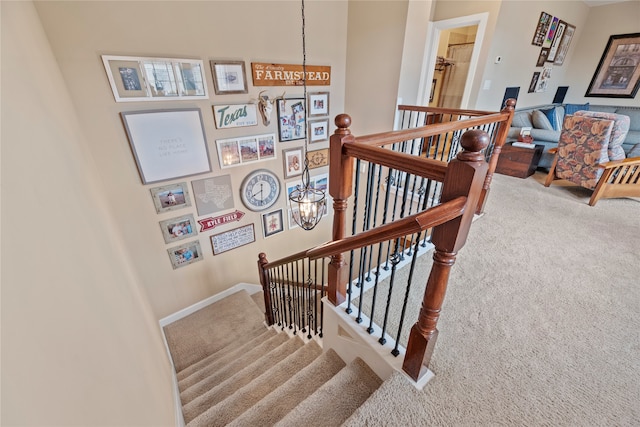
[{"x": 517, "y": 161}]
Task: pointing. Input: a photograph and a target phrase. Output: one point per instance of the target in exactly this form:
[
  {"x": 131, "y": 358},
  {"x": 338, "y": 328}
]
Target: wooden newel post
[
  {"x": 465, "y": 177},
  {"x": 501, "y": 137},
  {"x": 266, "y": 290},
  {"x": 340, "y": 189}
]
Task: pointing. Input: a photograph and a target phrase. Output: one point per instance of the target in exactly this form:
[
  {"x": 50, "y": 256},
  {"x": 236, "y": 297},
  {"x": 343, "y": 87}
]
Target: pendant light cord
[{"x": 305, "y": 173}]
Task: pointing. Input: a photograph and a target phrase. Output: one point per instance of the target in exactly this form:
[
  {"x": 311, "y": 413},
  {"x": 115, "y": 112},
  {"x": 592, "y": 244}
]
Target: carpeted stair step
[
  {"x": 217, "y": 391},
  {"x": 258, "y": 299},
  {"x": 213, "y": 363},
  {"x": 200, "y": 334},
  {"x": 337, "y": 399},
  {"x": 377, "y": 411},
  {"x": 201, "y": 381},
  {"x": 230, "y": 408},
  {"x": 282, "y": 400}
]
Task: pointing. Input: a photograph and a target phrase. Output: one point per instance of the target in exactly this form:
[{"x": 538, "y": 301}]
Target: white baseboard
[{"x": 250, "y": 288}]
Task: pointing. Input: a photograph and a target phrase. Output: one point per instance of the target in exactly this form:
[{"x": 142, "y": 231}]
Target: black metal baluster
[
  {"x": 395, "y": 259},
  {"x": 283, "y": 296},
  {"x": 356, "y": 190},
  {"x": 375, "y": 218},
  {"x": 395, "y": 350},
  {"x": 324, "y": 266}
]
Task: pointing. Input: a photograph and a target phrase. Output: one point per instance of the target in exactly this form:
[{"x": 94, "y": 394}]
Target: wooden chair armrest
[
  {"x": 553, "y": 150},
  {"x": 624, "y": 162}
]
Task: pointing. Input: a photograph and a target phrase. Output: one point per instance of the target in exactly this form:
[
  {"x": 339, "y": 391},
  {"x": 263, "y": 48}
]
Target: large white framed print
[{"x": 167, "y": 144}]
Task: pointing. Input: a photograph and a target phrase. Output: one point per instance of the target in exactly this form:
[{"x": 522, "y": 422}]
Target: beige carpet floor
[{"x": 541, "y": 322}]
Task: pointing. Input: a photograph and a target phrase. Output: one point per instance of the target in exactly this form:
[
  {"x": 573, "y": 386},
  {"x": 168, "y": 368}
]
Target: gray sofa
[{"x": 543, "y": 130}]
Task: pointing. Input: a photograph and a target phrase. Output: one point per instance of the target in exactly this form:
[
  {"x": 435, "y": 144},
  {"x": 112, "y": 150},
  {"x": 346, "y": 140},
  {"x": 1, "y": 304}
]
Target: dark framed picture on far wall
[{"x": 618, "y": 74}]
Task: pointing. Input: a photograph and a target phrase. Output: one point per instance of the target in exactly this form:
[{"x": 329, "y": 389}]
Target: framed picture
[
  {"x": 291, "y": 120},
  {"x": 542, "y": 58},
  {"x": 555, "y": 44},
  {"x": 534, "y": 82},
  {"x": 185, "y": 254},
  {"x": 213, "y": 194},
  {"x": 318, "y": 104},
  {"x": 167, "y": 144},
  {"x": 232, "y": 239},
  {"x": 294, "y": 215},
  {"x": 154, "y": 79},
  {"x": 250, "y": 149},
  {"x": 541, "y": 29},
  {"x": 229, "y": 77},
  {"x": 552, "y": 32},
  {"x": 318, "y": 158},
  {"x": 234, "y": 116},
  {"x": 618, "y": 73},
  {"x": 178, "y": 228},
  {"x": 318, "y": 130},
  {"x": 543, "y": 79},
  {"x": 563, "y": 48},
  {"x": 171, "y": 197},
  {"x": 272, "y": 223},
  {"x": 293, "y": 162}
]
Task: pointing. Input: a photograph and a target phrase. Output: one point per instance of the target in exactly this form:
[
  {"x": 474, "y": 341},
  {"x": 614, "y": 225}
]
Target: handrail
[
  {"x": 401, "y": 227},
  {"x": 421, "y": 166},
  {"x": 411, "y": 224},
  {"x": 440, "y": 110},
  {"x": 391, "y": 137}
]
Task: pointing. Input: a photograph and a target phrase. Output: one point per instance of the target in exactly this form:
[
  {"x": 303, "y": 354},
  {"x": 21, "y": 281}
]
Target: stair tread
[
  {"x": 218, "y": 391},
  {"x": 202, "y": 380},
  {"x": 377, "y": 411},
  {"x": 212, "y": 328},
  {"x": 281, "y": 401},
  {"x": 234, "y": 405},
  {"x": 258, "y": 299},
  {"x": 343, "y": 394},
  {"x": 214, "y": 362}
]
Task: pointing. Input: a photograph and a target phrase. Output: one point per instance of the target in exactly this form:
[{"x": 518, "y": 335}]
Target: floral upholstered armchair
[{"x": 589, "y": 154}]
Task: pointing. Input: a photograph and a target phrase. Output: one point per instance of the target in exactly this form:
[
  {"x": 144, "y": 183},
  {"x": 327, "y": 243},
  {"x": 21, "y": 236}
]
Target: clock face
[{"x": 260, "y": 190}]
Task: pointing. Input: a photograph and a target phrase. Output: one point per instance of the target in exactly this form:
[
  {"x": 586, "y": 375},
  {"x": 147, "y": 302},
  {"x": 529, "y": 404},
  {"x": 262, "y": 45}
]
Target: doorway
[{"x": 451, "y": 59}]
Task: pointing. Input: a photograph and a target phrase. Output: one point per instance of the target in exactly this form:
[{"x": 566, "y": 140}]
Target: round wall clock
[{"x": 260, "y": 190}]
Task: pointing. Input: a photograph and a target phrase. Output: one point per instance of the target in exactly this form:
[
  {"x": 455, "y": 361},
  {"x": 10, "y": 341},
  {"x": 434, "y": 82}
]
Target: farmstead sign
[{"x": 289, "y": 75}]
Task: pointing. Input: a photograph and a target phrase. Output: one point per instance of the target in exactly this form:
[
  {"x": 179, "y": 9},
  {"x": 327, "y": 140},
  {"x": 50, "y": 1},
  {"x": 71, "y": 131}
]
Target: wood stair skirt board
[{"x": 250, "y": 375}]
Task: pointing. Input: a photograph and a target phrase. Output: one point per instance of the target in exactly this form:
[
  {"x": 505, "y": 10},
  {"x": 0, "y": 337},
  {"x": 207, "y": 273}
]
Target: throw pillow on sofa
[
  {"x": 554, "y": 116},
  {"x": 540, "y": 120},
  {"x": 572, "y": 108}
]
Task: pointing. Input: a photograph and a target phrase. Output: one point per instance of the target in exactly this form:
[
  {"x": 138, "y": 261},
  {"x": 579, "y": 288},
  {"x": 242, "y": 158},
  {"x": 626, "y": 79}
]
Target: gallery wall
[
  {"x": 513, "y": 43},
  {"x": 80, "y": 343},
  {"x": 269, "y": 32}
]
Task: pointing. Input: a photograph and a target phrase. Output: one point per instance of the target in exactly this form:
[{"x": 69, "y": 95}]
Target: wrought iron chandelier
[{"x": 308, "y": 201}]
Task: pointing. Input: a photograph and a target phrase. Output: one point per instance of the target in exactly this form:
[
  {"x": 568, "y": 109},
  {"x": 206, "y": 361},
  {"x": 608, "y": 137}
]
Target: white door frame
[{"x": 434, "y": 29}]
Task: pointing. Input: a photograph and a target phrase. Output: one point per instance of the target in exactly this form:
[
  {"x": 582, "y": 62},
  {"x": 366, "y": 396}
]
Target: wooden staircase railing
[{"x": 438, "y": 201}]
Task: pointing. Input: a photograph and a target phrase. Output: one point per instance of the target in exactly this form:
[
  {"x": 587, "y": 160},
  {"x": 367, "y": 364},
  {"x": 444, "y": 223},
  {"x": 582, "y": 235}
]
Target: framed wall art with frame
[
  {"x": 239, "y": 151},
  {"x": 178, "y": 228},
  {"x": 229, "y": 77},
  {"x": 232, "y": 239},
  {"x": 318, "y": 158},
  {"x": 272, "y": 223},
  {"x": 167, "y": 144},
  {"x": 618, "y": 73},
  {"x": 171, "y": 197},
  {"x": 318, "y": 104},
  {"x": 185, "y": 254},
  {"x": 213, "y": 194},
  {"x": 155, "y": 79},
  {"x": 291, "y": 119},
  {"x": 318, "y": 130},
  {"x": 563, "y": 48},
  {"x": 293, "y": 162}
]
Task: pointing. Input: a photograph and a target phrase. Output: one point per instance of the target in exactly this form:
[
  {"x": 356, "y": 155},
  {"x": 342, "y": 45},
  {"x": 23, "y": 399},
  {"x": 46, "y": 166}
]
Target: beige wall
[
  {"x": 80, "y": 344},
  {"x": 260, "y": 31},
  {"x": 602, "y": 22},
  {"x": 376, "y": 33}
]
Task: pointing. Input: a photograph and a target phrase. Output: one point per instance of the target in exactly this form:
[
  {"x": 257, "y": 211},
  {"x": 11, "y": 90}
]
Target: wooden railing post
[
  {"x": 501, "y": 137},
  {"x": 465, "y": 177},
  {"x": 340, "y": 189},
  {"x": 266, "y": 291}
]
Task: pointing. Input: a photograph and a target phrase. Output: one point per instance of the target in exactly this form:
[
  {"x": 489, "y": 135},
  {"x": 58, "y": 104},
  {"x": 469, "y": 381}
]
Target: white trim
[
  {"x": 250, "y": 288},
  {"x": 431, "y": 52}
]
